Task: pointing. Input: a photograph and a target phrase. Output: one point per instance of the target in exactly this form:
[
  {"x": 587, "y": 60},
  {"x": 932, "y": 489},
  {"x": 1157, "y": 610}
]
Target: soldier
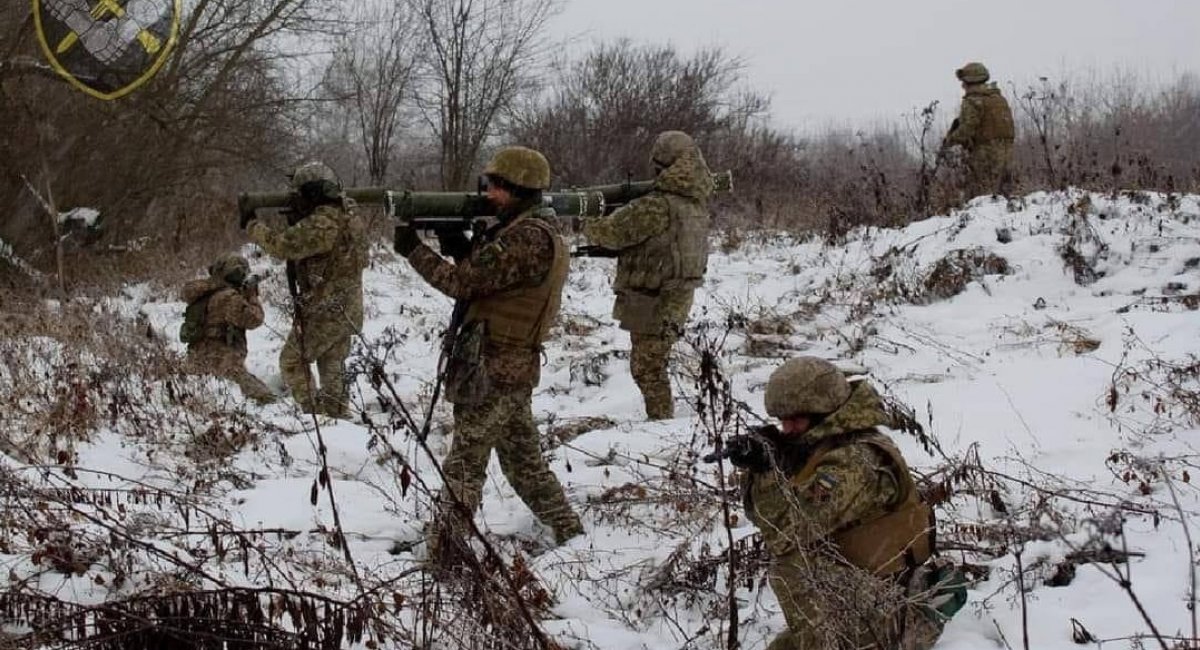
[
  {"x": 325, "y": 245},
  {"x": 220, "y": 308},
  {"x": 984, "y": 129},
  {"x": 662, "y": 245},
  {"x": 508, "y": 285},
  {"x": 840, "y": 514}
]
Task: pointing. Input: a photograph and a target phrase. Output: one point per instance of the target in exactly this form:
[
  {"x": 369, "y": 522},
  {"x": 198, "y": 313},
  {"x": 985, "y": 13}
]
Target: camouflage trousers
[
  {"x": 649, "y": 357},
  {"x": 504, "y": 422},
  {"x": 988, "y": 170},
  {"x": 231, "y": 365},
  {"x": 326, "y": 343},
  {"x": 830, "y": 606}
]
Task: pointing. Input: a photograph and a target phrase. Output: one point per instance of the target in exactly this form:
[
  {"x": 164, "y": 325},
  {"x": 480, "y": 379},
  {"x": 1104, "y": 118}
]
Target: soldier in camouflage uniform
[
  {"x": 984, "y": 129},
  {"x": 840, "y": 515},
  {"x": 225, "y": 305},
  {"x": 662, "y": 245},
  {"x": 508, "y": 283},
  {"x": 325, "y": 245}
]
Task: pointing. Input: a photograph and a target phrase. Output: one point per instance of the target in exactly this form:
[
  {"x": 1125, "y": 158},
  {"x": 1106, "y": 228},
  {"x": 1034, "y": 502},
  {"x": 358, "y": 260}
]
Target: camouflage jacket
[
  {"x": 227, "y": 316},
  {"x": 663, "y": 242},
  {"x": 852, "y": 483},
  {"x": 500, "y": 260},
  {"x": 984, "y": 119},
  {"x": 329, "y": 249}
]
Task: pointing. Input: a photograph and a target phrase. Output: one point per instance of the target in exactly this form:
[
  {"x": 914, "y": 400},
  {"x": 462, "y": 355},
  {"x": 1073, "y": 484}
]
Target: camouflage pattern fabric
[
  {"x": 221, "y": 349},
  {"x": 329, "y": 249},
  {"x": 502, "y": 259},
  {"x": 984, "y": 129},
  {"x": 827, "y": 603},
  {"x": 830, "y": 606},
  {"x": 656, "y": 280},
  {"x": 521, "y": 256},
  {"x": 503, "y": 422},
  {"x": 649, "y": 355}
]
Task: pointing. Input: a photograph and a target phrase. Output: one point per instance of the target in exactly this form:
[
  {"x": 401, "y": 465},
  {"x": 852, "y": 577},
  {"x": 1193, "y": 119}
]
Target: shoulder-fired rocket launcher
[{"x": 458, "y": 210}]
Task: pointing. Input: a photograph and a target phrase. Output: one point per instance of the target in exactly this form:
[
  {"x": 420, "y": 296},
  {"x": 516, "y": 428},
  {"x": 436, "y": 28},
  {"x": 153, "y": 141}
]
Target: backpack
[{"x": 192, "y": 328}]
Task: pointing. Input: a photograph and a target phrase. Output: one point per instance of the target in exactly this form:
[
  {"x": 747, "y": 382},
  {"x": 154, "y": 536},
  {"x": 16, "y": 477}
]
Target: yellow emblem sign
[{"x": 107, "y": 48}]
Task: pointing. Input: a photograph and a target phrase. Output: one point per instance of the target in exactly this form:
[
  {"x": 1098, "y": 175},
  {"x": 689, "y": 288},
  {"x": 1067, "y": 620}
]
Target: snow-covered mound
[{"x": 1046, "y": 344}]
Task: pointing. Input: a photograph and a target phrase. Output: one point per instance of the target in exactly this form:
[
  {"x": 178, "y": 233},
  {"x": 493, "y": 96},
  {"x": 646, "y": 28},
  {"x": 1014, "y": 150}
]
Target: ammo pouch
[
  {"x": 940, "y": 587},
  {"x": 640, "y": 312},
  {"x": 467, "y": 380}
]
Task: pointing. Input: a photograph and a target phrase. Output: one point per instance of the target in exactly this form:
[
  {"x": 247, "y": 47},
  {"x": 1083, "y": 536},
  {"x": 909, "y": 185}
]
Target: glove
[
  {"x": 752, "y": 451},
  {"x": 405, "y": 240}
]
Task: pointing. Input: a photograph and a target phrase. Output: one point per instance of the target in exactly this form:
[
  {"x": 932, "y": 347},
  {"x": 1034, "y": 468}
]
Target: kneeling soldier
[
  {"x": 220, "y": 309},
  {"x": 840, "y": 514}
]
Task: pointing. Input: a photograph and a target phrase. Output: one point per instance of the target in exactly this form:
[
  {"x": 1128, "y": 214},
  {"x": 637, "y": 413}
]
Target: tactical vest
[
  {"x": 995, "y": 117},
  {"x": 347, "y": 259},
  {"x": 893, "y": 542},
  {"x": 521, "y": 317},
  {"x": 674, "y": 259},
  {"x": 198, "y": 327}
]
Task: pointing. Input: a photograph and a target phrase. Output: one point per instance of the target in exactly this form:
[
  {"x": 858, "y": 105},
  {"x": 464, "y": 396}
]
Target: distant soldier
[
  {"x": 325, "y": 244},
  {"x": 508, "y": 284},
  {"x": 984, "y": 129},
  {"x": 841, "y": 516},
  {"x": 662, "y": 245},
  {"x": 220, "y": 308}
]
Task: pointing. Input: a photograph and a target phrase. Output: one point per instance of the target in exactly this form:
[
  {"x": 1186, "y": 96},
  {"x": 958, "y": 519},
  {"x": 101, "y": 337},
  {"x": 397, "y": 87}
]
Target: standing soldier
[
  {"x": 325, "y": 245},
  {"x": 841, "y": 516},
  {"x": 508, "y": 286},
  {"x": 220, "y": 308},
  {"x": 984, "y": 129},
  {"x": 662, "y": 245}
]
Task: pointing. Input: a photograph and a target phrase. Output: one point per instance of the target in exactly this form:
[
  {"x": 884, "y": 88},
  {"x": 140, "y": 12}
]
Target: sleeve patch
[
  {"x": 823, "y": 486},
  {"x": 489, "y": 255}
]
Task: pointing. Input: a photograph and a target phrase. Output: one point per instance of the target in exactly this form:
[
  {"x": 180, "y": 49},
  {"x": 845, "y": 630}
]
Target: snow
[
  {"x": 86, "y": 217},
  {"x": 1017, "y": 368}
]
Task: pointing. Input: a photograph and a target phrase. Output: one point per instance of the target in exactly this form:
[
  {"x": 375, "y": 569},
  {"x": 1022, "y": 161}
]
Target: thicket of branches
[{"x": 415, "y": 93}]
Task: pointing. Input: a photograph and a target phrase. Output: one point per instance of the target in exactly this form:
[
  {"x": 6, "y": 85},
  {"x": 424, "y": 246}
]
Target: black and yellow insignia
[{"x": 107, "y": 48}]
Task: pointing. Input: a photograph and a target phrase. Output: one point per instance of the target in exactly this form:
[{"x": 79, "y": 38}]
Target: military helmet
[
  {"x": 520, "y": 166},
  {"x": 230, "y": 268},
  {"x": 806, "y": 386},
  {"x": 669, "y": 146},
  {"x": 316, "y": 182},
  {"x": 972, "y": 73},
  {"x": 312, "y": 172}
]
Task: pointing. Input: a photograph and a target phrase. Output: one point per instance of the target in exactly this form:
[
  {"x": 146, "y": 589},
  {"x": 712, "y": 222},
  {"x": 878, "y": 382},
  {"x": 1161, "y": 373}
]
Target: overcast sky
[{"x": 853, "y": 61}]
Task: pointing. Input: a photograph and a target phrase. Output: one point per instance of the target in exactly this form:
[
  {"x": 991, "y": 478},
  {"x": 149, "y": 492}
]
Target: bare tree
[
  {"x": 371, "y": 73},
  {"x": 606, "y": 108},
  {"x": 479, "y": 57},
  {"x": 154, "y": 162}
]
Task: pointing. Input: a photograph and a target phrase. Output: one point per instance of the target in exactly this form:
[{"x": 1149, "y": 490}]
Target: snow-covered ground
[{"x": 1043, "y": 373}]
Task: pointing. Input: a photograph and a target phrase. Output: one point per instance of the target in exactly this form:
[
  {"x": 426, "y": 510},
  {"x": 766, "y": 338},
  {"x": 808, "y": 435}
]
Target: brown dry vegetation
[{"x": 228, "y": 114}]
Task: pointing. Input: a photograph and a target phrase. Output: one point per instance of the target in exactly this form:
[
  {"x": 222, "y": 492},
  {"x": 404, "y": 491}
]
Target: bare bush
[{"x": 480, "y": 55}]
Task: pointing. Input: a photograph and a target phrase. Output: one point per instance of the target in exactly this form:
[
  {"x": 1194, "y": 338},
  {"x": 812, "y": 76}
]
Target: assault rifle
[{"x": 751, "y": 451}]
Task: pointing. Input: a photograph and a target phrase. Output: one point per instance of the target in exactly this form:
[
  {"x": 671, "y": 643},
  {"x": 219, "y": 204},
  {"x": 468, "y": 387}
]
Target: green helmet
[
  {"x": 520, "y": 166},
  {"x": 669, "y": 146},
  {"x": 804, "y": 386},
  {"x": 231, "y": 268},
  {"x": 972, "y": 73},
  {"x": 316, "y": 181}
]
